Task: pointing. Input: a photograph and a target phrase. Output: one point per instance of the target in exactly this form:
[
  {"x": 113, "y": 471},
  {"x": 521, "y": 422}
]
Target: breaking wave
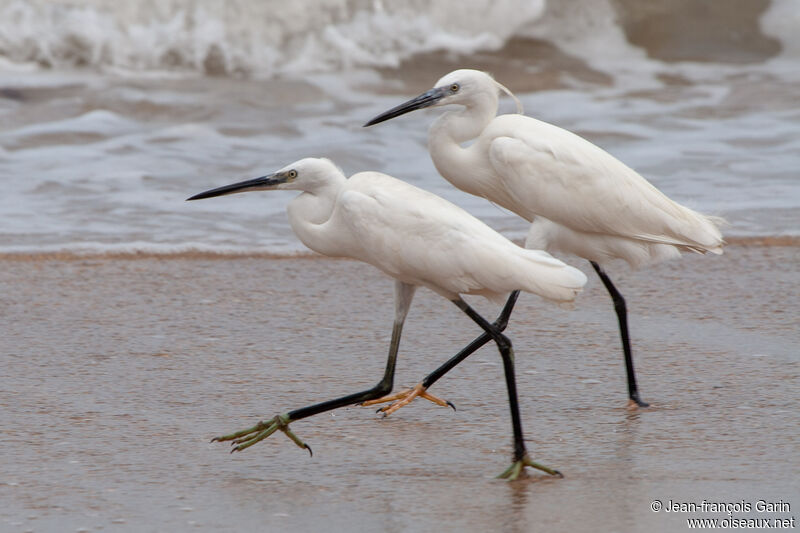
[{"x": 266, "y": 38}]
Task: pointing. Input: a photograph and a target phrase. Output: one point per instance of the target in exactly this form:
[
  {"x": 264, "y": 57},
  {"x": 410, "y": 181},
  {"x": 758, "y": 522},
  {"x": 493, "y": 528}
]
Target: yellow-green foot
[
  {"x": 512, "y": 472},
  {"x": 241, "y": 440}
]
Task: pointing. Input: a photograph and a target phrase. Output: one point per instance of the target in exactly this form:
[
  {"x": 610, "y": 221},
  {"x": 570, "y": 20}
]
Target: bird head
[
  {"x": 304, "y": 175},
  {"x": 463, "y": 86}
]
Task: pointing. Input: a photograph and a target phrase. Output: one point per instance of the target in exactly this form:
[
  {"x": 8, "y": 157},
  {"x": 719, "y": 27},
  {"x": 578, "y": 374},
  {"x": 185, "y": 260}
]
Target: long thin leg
[
  {"x": 622, "y": 316},
  {"x": 382, "y": 388},
  {"x": 499, "y": 324},
  {"x": 506, "y": 350},
  {"x": 405, "y": 398},
  {"x": 246, "y": 438}
]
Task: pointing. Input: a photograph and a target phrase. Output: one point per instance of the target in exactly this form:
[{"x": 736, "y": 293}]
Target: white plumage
[
  {"x": 578, "y": 198},
  {"x": 417, "y": 237},
  {"x": 539, "y": 170}
]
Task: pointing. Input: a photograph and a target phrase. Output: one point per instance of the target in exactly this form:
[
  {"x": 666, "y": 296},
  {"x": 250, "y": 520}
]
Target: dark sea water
[{"x": 112, "y": 114}]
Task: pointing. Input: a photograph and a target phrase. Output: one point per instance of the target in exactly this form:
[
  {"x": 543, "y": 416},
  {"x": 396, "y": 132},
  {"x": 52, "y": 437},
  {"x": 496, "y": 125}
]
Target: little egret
[
  {"x": 418, "y": 239},
  {"x": 580, "y": 199}
]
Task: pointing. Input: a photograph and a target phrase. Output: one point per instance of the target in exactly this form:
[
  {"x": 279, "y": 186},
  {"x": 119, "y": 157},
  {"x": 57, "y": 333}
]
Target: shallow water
[{"x": 101, "y": 157}]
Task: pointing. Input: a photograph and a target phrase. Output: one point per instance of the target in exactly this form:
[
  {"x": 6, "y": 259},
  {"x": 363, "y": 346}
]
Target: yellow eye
[
  {"x": 454, "y": 88},
  {"x": 292, "y": 174}
]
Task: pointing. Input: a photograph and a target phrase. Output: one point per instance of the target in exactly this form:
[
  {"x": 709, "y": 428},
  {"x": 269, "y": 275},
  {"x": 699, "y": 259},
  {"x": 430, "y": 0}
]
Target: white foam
[
  {"x": 259, "y": 37},
  {"x": 590, "y": 31}
]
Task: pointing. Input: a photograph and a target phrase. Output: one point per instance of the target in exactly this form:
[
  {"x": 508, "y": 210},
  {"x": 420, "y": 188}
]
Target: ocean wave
[
  {"x": 96, "y": 163},
  {"x": 263, "y": 38},
  {"x": 273, "y": 37}
]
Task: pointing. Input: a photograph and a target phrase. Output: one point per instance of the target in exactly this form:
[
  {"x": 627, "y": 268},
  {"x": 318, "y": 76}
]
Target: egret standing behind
[
  {"x": 580, "y": 199},
  {"x": 418, "y": 239}
]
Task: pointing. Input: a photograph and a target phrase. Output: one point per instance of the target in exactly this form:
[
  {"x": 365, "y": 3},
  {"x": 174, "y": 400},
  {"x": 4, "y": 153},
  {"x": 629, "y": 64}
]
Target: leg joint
[
  {"x": 383, "y": 388},
  {"x": 503, "y": 342}
]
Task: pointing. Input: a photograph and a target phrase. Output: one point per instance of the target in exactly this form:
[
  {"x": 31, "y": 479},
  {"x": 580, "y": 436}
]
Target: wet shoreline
[
  {"x": 116, "y": 374},
  {"x": 132, "y": 255}
]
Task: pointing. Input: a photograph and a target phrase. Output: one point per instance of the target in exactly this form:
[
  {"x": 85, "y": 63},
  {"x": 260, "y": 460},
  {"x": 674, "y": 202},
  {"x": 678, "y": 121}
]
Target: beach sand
[{"x": 117, "y": 371}]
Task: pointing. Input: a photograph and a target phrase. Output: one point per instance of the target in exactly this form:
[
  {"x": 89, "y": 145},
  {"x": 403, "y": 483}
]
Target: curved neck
[
  {"x": 457, "y": 164},
  {"x": 309, "y": 212}
]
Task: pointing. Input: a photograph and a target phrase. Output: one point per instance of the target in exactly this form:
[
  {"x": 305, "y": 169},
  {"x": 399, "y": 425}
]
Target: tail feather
[{"x": 552, "y": 279}]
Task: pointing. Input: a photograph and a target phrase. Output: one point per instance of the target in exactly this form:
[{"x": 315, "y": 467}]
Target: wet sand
[{"x": 116, "y": 372}]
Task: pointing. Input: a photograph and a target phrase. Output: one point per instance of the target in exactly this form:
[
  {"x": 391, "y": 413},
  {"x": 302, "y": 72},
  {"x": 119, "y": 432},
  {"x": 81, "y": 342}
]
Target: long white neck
[
  {"x": 457, "y": 164},
  {"x": 309, "y": 212}
]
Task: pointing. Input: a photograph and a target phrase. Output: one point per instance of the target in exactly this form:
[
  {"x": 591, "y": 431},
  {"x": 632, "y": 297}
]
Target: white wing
[
  {"x": 565, "y": 178},
  {"x": 422, "y": 239}
]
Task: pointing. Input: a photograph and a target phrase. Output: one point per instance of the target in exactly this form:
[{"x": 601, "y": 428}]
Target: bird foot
[
  {"x": 241, "y": 440},
  {"x": 512, "y": 472},
  {"x": 634, "y": 403},
  {"x": 405, "y": 397}
]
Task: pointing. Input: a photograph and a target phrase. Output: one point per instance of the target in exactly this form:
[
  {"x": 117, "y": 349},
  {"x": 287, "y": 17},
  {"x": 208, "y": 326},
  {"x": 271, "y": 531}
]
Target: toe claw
[
  {"x": 451, "y": 404},
  {"x": 311, "y": 453}
]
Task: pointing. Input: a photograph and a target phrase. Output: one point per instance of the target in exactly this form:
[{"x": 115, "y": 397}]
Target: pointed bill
[
  {"x": 424, "y": 100},
  {"x": 255, "y": 184}
]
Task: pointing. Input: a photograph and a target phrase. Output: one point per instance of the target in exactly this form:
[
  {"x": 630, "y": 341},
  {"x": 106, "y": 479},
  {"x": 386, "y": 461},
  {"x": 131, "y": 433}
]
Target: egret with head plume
[
  {"x": 418, "y": 239},
  {"x": 579, "y": 199}
]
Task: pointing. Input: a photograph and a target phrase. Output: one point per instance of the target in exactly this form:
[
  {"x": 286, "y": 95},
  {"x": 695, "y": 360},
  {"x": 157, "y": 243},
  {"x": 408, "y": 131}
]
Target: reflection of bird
[
  {"x": 420, "y": 240},
  {"x": 579, "y": 198}
]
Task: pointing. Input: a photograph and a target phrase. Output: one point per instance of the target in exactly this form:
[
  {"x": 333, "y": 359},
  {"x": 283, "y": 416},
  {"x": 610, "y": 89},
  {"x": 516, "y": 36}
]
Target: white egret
[
  {"x": 579, "y": 199},
  {"x": 418, "y": 239}
]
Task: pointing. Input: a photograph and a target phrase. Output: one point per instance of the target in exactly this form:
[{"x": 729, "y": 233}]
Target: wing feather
[
  {"x": 422, "y": 239},
  {"x": 561, "y": 176}
]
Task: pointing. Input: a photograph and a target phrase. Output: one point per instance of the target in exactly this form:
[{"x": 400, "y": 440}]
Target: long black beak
[
  {"x": 255, "y": 184},
  {"x": 426, "y": 99}
]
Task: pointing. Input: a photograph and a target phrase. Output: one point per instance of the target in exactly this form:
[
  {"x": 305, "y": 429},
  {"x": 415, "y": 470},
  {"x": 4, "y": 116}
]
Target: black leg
[
  {"x": 507, "y": 354},
  {"x": 383, "y": 388},
  {"x": 499, "y": 324},
  {"x": 246, "y": 438},
  {"x": 622, "y": 316},
  {"x": 521, "y": 458},
  {"x": 405, "y": 397}
]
